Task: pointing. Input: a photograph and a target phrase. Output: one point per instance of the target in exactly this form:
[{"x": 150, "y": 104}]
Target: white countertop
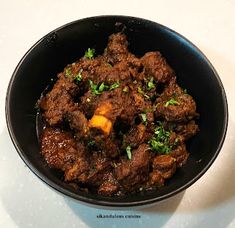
[{"x": 27, "y": 202}]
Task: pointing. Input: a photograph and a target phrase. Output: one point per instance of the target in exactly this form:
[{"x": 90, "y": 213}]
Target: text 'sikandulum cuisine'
[{"x": 116, "y": 124}]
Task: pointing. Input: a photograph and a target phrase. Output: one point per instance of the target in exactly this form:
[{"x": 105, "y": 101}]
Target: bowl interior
[{"x": 67, "y": 44}]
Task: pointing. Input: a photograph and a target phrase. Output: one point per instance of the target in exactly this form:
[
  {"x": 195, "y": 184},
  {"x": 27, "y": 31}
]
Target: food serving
[{"x": 116, "y": 123}]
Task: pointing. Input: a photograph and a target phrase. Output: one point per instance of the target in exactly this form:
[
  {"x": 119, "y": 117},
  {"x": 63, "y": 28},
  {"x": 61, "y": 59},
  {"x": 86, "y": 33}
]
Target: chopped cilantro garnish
[
  {"x": 128, "y": 151},
  {"x": 90, "y": 53},
  {"x": 68, "y": 72},
  {"x": 91, "y": 143},
  {"x": 96, "y": 90},
  {"x": 172, "y": 101},
  {"x": 176, "y": 142},
  {"x": 160, "y": 142},
  {"x": 102, "y": 87},
  {"x": 148, "y": 110},
  {"x": 114, "y": 85},
  {"x": 108, "y": 64},
  {"x": 78, "y": 77},
  {"x": 144, "y": 118},
  {"x": 139, "y": 89},
  {"x": 150, "y": 84},
  {"x": 94, "y": 87},
  {"x": 114, "y": 165}
]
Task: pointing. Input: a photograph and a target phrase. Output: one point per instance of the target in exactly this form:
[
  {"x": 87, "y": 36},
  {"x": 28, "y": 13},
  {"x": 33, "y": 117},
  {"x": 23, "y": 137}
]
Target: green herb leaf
[
  {"x": 176, "y": 142},
  {"x": 78, "y": 77},
  {"x": 93, "y": 87},
  {"x": 144, "y": 118},
  {"x": 108, "y": 64},
  {"x": 90, "y": 53},
  {"x": 185, "y": 91},
  {"x": 159, "y": 147},
  {"x": 114, "y": 165},
  {"x": 114, "y": 85},
  {"x": 160, "y": 143},
  {"x": 148, "y": 110},
  {"x": 91, "y": 143},
  {"x": 139, "y": 89},
  {"x": 128, "y": 151},
  {"x": 150, "y": 84},
  {"x": 68, "y": 72},
  {"x": 172, "y": 101},
  {"x": 102, "y": 87}
]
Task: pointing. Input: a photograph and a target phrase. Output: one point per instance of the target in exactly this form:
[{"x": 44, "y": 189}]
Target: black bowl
[{"x": 67, "y": 44}]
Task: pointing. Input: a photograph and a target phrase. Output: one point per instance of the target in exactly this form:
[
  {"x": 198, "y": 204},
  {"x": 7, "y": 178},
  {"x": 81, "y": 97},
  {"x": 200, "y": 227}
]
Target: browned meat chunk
[
  {"x": 58, "y": 148},
  {"x": 117, "y": 52},
  {"x": 156, "y": 66},
  {"x": 66, "y": 83},
  {"x": 129, "y": 108},
  {"x": 136, "y": 136},
  {"x": 99, "y": 165},
  {"x": 109, "y": 187},
  {"x": 88, "y": 103},
  {"x": 110, "y": 147},
  {"x": 139, "y": 102},
  {"x": 187, "y": 130},
  {"x": 78, "y": 171},
  {"x": 78, "y": 122},
  {"x": 165, "y": 164},
  {"x": 132, "y": 173},
  {"x": 116, "y": 48},
  {"x": 155, "y": 179},
  {"x": 180, "y": 154},
  {"x": 56, "y": 103},
  {"x": 175, "y": 105},
  {"x": 111, "y": 74}
]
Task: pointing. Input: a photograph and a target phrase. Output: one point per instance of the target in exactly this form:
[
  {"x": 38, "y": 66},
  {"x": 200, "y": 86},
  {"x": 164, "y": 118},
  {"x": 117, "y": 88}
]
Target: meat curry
[{"x": 116, "y": 123}]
